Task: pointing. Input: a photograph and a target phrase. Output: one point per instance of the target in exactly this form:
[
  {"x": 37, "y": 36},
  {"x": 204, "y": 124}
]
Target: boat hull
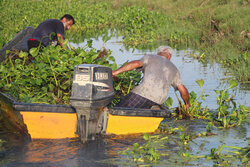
[
  {"x": 131, "y": 124},
  {"x": 50, "y": 121},
  {"x": 44, "y": 125}
]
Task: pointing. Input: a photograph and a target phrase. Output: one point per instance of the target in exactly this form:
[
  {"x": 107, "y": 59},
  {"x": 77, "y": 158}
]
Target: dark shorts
[
  {"x": 133, "y": 100},
  {"x": 34, "y": 44}
]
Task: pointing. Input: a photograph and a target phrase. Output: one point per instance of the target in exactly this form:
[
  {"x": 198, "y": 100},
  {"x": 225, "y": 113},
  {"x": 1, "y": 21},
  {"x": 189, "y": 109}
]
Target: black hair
[{"x": 68, "y": 17}]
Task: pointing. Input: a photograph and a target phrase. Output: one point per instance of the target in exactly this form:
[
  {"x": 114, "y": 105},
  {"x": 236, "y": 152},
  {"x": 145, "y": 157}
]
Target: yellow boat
[
  {"x": 48, "y": 121},
  {"x": 92, "y": 91},
  {"x": 56, "y": 125}
]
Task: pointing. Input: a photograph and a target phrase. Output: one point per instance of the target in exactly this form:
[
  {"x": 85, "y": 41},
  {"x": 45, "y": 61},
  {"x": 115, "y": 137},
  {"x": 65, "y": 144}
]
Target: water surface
[{"x": 104, "y": 151}]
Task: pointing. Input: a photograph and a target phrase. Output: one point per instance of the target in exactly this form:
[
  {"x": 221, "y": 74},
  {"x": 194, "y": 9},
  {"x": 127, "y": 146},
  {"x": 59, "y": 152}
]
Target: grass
[{"x": 219, "y": 29}]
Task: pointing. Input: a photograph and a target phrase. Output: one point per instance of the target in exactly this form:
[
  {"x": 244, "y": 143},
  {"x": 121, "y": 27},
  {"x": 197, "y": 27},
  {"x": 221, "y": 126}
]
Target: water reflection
[
  {"x": 71, "y": 152},
  {"x": 63, "y": 152}
]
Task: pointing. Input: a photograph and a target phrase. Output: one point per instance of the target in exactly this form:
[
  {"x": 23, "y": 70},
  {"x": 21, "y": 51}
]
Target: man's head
[
  {"x": 165, "y": 51},
  {"x": 67, "y": 21}
]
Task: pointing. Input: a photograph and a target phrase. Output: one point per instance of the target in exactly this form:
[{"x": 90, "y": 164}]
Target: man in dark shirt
[{"x": 51, "y": 31}]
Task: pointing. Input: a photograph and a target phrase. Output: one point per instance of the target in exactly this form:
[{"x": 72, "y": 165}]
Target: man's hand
[
  {"x": 114, "y": 73},
  {"x": 60, "y": 39},
  {"x": 184, "y": 95},
  {"x": 114, "y": 77}
]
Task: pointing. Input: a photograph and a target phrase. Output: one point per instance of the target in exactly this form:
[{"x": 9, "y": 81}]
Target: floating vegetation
[
  {"x": 47, "y": 76},
  {"x": 145, "y": 152},
  {"x": 227, "y": 115}
]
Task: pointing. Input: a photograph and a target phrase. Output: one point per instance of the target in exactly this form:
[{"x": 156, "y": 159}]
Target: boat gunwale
[{"x": 55, "y": 108}]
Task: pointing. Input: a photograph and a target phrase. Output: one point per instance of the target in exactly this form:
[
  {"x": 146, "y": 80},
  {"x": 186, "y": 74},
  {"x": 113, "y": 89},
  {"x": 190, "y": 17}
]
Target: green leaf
[
  {"x": 89, "y": 43},
  {"x": 23, "y": 54},
  {"x": 52, "y": 34},
  {"x": 7, "y": 52},
  {"x": 51, "y": 87},
  {"x": 169, "y": 102},
  {"x": 17, "y": 61},
  {"x": 111, "y": 58},
  {"x": 233, "y": 84},
  {"x": 146, "y": 136},
  {"x": 82, "y": 54},
  {"x": 105, "y": 38},
  {"x": 224, "y": 121},
  {"x": 78, "y": 60},
  {"x": 44, "y": 76},
  {"x": 39, "y": 81},
  {"x": 89, "y": 60},
  {"x": 34, "y": 51},
  {"x": 44, "y": 89},
  {"x": 203, "y": 97},
  {"x": 200, "y": 82},
  {"x": 64, "y": 86},
  {"x": 117, "y": 87},
  {"x": 135, "y": 145}
]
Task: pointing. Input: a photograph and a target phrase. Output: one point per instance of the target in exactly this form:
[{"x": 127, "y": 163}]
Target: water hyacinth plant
[
  {"x": 195, "y": 110},
  {"x": 46, "y": 76},
  {"x": 145, "y": 152},
  {"x": 227, "y": 115}
]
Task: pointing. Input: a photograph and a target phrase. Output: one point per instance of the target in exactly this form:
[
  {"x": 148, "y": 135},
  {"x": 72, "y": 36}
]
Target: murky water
[{"x": 104, "y": 151}]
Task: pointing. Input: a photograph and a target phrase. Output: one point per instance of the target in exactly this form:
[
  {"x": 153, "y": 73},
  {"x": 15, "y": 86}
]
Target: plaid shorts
[{"x": 133, "y": 100}]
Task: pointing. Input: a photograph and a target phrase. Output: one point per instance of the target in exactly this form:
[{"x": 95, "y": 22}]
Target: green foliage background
[{"x": 220, "y": 29}]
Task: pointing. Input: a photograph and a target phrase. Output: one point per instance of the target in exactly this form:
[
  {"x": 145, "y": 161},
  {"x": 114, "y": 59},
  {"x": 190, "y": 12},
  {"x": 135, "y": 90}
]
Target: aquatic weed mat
[{"x": 193, "y": 148}]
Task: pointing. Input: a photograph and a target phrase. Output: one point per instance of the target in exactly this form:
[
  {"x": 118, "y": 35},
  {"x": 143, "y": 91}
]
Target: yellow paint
[
  {"x": 131, "y": 124},
  {"x": 45, "y": 125}
]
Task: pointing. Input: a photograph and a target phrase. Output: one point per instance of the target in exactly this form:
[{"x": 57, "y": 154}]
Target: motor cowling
[{"x": 92, "y": 90}]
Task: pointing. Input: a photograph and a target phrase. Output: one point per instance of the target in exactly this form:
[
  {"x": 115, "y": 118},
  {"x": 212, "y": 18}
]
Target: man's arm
[
  {"x": 184, "y": 94},
  {"x": 60, "y": 39},
  {"x": 129, "y": 66}
]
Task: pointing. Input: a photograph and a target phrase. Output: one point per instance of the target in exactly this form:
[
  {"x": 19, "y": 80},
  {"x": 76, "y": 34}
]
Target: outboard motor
[{"x": 92, "y": 90}]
